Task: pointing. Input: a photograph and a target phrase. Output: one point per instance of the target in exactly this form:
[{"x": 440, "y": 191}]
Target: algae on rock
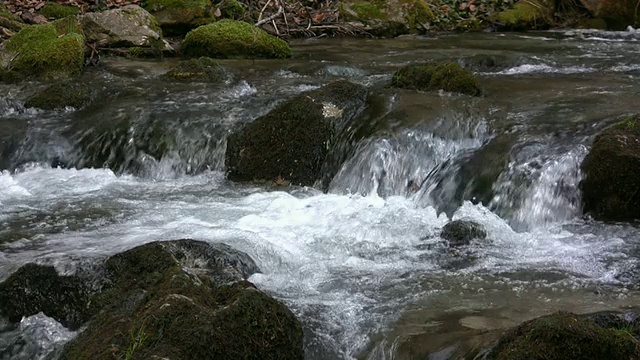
[
  {"x": 50, "y": 50},
  {"x": 447, "y": 76},
  {"x": 60, "y": 95},
  {"x": 611, "y": 182},
  {"x": 233, "y": 39},
  {"x": 199, "y": 69},
  {"x": 564, "y": 336}
]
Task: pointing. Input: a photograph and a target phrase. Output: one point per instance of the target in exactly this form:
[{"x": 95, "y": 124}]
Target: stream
[{"x": 362, "y": 266}]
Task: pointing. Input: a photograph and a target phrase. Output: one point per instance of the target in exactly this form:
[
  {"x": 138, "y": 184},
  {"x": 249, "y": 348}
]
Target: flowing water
[{"x": 363, "y": 265}]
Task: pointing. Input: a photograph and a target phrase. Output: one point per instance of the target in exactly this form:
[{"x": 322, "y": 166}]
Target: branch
[{"x": 272, "y": 17}]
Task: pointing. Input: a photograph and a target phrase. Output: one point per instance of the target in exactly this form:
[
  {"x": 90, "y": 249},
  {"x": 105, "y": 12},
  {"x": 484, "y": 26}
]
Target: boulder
[
  {"x": 202, "y": 69},
  {"x": 611, "y": 168},
  {"x": 525, "y": 15},
  {"x": 564, "y": 336},
  {"x": 54, "y": 10},
  {"x": 388, "y": 18},
  {"x": 447, "y": 76},
  {"x": 618, "y": 14},
  {"x": 60, "y": 95},
  {"x": 127, "y": 27},
  {"x": 233, "y": 39},
  {"x": 461, "y": 232},
  {"x": 46, "y": 51},
  {"x": 12, "y": 134},
  {"x": 177, "y": 17},
  {"x": 186, "y": 300},
  {"x": 303, "y": 141},
  {"x": 37, "y": 288}
]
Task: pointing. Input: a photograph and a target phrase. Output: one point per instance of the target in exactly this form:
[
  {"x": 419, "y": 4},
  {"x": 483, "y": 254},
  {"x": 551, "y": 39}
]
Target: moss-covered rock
[
  {"x": 54, "y": 10},
  {"x": 526, "y": 15},
  {"x": 186, "y": 299},
  {"x": 564, "y": 336},
  {"x": 127, "y": 27},
  {"x": 447, "y": 76},
  {"x": 299, "y": 141},
  {"x": 36, "y": 288},
  {"x": 233, "y": 39},
  {"x": 461, "y": 232},
  {"x": 62, "y": 94},
  {"x": 201, "y": 69},
  {"x": 231, "y": 9},
  {"x": 12, "y": 133},
  {"x": 389, "y": 18},
  {"x": 597, "y": 24},
  {"x": 177, "y": 17},
  {"x": 48, "y": 51},
  {"x": 618, "y": 14},
  {"x": 611, "y": 182}
]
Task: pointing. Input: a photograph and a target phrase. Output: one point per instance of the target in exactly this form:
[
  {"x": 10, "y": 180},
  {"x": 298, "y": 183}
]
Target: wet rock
[
  {"x": 564, "y": 336},
  {"x": 526, "y": 15},
  {"x": 47, "y": 51},
  {"x": 54, "y": 10},
  {"x": 233, "y": 39},
  {"x": 461, "y": 232},
  {"x": 201, "y": 69},
  {"x": 36, "y": 288},
  {"x": 12, "y": 134},
  {"x": 62, "y": 94},
  {"x": 447, "y": 76},
  {"x": 611, "y": 182},
  {"x": 303, "y": 141},
  {"x": 177, "y": 17},
  {"x": 487, "y": 63},
  {"x": 186, "y": 299},
  {"x": 127, "y": 27},
  {"x": 618, "y": 14},
  {"x": 388, "y": 18}
]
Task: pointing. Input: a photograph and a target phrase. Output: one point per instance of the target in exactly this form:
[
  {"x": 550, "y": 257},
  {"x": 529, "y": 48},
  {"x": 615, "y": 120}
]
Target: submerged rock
[
  {"x": 60, "y": 95},
  {"x": 12, "y": 133},
  {"x": 49, "y": 51},
  {"x": 526, "y": 15},
  {"x": 302, "y": 141},
  {"x": 389, "y": 18},
  {"x": 564, "y": 336},
  {"x": 127, "y": 27},
  {"x": 611, "y": 168},
  {"x": 618, "y": 14},
  {"x": 447, "y": 76},
  {"x": 233, "y": 39},
  {"x": 461, "y": 232},
  {"x": 177, "y": 17},
  {"x": 186, "y": 299},
  {"x": 201, "y": 69}
]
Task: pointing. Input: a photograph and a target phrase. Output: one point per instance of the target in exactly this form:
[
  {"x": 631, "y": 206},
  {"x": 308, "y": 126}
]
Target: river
[{"x": 363, "y": 265}]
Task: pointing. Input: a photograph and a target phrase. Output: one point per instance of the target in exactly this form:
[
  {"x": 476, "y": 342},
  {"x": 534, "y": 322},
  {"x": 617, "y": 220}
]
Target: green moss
[
  {"x": 61, "y": 95},
  {"x": 58, "y": 11},
  {"x": 49, "y": 50},
  {"x": 447, "y": 76},
  {"x": 233, "y": 39},
  {"x": 564, "y": 336},
  {"x": 176, "y": 17},
  {"x": 231, "y": 9},
  {"x": 200, "y": 69},
  {"x": 418, "y": 13},
  {"x": 598, "y": 24},
  {"x": 524, "y": 15}
]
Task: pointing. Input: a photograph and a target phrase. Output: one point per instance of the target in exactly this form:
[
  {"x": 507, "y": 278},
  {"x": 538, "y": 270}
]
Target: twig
[
  {"x": 272, "y": 17},
  {"x": 262, "y": 11}
]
